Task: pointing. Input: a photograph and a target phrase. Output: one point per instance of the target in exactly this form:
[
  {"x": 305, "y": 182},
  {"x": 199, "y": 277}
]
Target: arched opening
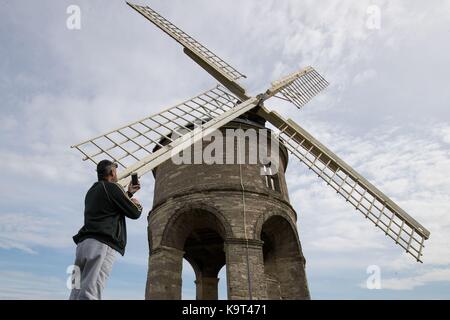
[
  {"x": 200, "y": 235},
  {"x": 283, "y": 260},
  {"x": 204, "y": 249}
]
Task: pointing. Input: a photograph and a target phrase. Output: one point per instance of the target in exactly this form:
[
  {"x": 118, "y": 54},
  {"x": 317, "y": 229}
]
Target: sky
[{"x": 386, "y": 113}]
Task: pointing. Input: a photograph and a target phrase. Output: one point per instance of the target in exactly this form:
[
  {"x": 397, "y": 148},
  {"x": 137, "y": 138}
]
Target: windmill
[{"x": 145, "y": 144}]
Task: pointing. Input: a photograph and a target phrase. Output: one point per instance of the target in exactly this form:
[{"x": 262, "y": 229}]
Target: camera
[{"x": 134, "y": 179}]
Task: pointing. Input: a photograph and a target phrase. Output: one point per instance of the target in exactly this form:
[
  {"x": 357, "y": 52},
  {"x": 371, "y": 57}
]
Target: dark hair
[{"x": 104, "y": 169}]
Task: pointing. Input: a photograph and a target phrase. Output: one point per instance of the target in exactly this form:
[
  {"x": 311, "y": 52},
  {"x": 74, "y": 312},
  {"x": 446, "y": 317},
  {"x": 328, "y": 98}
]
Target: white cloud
[
  {"x": 26, "y": 231},
  {"x": 443, "y": 132},
  {"x": 17, "y": 285},
  {"x": 410, "y": 283},
  {"x": 364, "y": 76}
]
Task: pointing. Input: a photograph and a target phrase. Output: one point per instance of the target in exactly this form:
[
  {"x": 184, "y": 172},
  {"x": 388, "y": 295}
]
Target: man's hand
[{"x": 133, "y": 188}]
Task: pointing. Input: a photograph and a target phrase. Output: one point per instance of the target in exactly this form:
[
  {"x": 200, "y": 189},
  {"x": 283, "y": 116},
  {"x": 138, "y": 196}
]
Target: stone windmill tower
[
  {"x": 217, "y": 214},
  {"x": 235, "y": 213}
]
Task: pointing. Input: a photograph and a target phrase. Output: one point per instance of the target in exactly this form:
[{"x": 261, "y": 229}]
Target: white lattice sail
[
  {"x": 142, "y": 145},
  {"x": 360, "y": 193}
]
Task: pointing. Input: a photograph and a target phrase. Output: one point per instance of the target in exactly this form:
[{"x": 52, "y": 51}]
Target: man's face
[{"x": 114, "y": 174}]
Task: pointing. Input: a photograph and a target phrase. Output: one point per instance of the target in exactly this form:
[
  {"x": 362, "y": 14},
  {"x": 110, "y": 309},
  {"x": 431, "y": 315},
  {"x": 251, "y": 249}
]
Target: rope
[{"x": 249, "y": 281}]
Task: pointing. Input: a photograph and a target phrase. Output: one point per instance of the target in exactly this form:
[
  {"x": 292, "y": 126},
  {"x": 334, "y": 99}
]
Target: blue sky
[{"x": 385, "y": 113}]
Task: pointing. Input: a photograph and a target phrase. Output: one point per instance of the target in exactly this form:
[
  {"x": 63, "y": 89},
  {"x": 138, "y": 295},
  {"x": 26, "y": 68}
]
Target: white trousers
[{"x": 93, "y": 261}]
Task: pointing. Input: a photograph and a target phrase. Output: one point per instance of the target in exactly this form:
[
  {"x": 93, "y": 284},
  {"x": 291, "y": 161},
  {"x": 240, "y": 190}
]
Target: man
[{"x": 104, "y": 231}]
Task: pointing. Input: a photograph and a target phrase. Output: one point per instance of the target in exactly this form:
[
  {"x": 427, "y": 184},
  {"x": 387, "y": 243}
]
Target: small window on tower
[{"x": 271, "y": 179}]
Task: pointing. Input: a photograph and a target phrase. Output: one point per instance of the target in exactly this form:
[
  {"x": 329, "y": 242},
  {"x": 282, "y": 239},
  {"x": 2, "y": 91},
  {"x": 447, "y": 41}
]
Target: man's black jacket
[{"x": 106, "y": 206}]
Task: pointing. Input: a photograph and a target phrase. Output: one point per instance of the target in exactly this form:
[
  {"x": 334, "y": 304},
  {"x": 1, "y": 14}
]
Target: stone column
[
  {"x": 273, "y": 287},
  {"x": 207, "y": 288},
  {"x": 240, "y": 284},
  {"x": 164, "y": 274},
  {"x": 292, "y": 277}
]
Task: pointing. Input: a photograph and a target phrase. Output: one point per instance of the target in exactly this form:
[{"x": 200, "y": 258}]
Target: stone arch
[
  {"x": 199, "y": 231},
  {"x": 283, "y": 258},
  {"x": 266, "y": 216},
  {"x": 219, "y": 220}
]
